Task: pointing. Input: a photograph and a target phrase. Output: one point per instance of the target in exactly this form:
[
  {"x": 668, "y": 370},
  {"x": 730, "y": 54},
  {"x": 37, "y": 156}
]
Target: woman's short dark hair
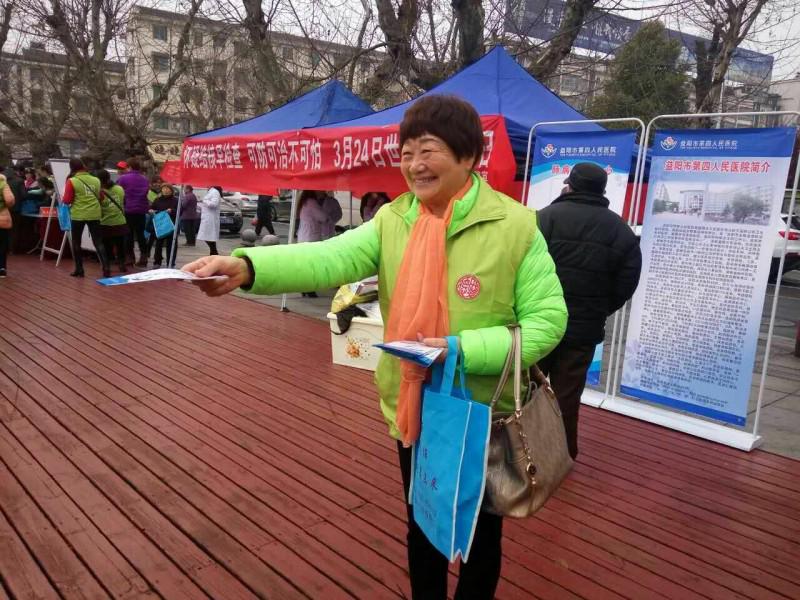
[
  {"x": 105, "y": 178},
  {"x": 448, "y": 117},
  {"x": 134, "y": 164},
  {"x": 76, "y": 164}
]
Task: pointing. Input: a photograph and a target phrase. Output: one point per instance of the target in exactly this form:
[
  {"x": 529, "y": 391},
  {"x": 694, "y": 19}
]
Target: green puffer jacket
[{"x": 499, "y": 272}]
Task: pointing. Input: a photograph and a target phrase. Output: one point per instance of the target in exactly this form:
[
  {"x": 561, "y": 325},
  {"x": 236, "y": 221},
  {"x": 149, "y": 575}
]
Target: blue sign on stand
[{"x": 713, "y": 208}]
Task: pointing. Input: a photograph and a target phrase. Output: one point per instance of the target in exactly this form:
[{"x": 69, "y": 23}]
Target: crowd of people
[{"x": 120, "y": 212}]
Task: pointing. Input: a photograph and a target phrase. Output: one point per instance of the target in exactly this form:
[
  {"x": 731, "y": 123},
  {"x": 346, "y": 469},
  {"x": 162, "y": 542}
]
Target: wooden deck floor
[{"x": 156, "y": 443}]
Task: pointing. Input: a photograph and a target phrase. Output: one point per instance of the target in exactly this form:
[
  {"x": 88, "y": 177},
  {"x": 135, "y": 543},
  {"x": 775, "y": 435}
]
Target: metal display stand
[
  {"x": 55, "y": 202},
  {"x": 173, "y": 250},
  {"x": 593, "y": 397},
  {"x": 292, "y": 221},
  {"x": 711, "y": 430}
]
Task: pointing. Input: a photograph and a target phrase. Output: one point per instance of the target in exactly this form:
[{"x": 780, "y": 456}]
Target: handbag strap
[
  {"x": 110, "y": 197},
  {"x": 513, "y": 361},
  {"x": 538, "y": 377}
]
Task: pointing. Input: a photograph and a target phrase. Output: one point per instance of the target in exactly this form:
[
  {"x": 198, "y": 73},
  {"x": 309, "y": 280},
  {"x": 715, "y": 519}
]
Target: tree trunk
[
  {"x": 575, "y": 13},
  {"x": 706, "y": 56},
  {"x": 398, "y": 29},
  {"x": 729, "y": 28},
  {"x": 269, "y": 74},
  {"x": 470, "y": 17},
  {"x": 44, "y": 149}
]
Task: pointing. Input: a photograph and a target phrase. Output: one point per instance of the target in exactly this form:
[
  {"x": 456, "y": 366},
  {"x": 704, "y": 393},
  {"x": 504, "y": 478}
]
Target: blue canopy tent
[
  {"x": 495, "y": 85},
  {"x": 327, "y": 104}
]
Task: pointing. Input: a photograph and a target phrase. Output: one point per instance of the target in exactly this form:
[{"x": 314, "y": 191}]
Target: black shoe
[
  {"x": 3, "y": 274},
  {"x": 76, "y": 274},
  {"x": 156, "y": 265},
  {"x": 106, "y": 272}
]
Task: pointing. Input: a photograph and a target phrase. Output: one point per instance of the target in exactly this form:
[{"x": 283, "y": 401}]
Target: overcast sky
[{"x": 777, "y": 32}]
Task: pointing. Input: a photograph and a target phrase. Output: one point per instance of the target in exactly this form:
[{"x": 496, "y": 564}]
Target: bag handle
[
  {"x": 444, "y": 377},
  {"x": 513, "y": 361}
]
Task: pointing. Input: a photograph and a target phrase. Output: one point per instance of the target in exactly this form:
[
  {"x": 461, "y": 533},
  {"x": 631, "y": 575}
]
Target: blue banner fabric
[
  {"x": 556, "y": 153},
  {"x": 712, "y": 215},
  {"x": 449, "y": 461},
  {"x": 162, "y": 224}
]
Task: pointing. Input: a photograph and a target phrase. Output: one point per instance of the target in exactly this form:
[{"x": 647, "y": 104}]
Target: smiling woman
[{"x": 453, "y": 257}]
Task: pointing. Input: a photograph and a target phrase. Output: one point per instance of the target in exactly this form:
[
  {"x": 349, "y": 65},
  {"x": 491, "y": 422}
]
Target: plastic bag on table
[{"x": 355, "y": 293}]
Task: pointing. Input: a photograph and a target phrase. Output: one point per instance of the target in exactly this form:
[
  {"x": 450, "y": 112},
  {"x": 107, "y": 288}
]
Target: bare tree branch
[{"x": 575, "y": 14}]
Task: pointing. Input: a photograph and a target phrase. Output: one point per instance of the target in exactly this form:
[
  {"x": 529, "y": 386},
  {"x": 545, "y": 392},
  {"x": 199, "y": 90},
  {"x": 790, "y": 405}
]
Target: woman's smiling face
[{"x": 432, "y": 171}]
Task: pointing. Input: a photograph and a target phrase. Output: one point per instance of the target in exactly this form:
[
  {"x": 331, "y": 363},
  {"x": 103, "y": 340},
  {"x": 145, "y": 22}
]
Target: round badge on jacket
[{"x": 468, "y": 287}]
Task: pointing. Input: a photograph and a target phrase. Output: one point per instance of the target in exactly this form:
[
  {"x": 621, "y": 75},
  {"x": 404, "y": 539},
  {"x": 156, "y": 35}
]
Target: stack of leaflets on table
[
  {"x": 414, "y": 351},
  {"x": 156, "y": 275}
]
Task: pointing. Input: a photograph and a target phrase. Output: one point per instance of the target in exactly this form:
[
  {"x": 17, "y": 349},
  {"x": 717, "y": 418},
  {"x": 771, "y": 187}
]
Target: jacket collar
[
  {"x": 477, "y": 206},
  {"x": 583, "y": 198}
]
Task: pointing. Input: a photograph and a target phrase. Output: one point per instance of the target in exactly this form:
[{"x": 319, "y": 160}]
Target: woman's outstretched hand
[{"x": 234, "y": 268}]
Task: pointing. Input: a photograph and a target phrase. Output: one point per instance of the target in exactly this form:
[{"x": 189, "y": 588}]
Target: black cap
[{"x": 587, "y": 177}]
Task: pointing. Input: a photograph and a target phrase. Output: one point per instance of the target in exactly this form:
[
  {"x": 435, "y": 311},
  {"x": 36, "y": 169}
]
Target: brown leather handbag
[{"x": 528, "y": 455}]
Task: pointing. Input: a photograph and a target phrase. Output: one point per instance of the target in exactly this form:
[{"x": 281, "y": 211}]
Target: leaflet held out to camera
[{"x": 156, "y": 275}]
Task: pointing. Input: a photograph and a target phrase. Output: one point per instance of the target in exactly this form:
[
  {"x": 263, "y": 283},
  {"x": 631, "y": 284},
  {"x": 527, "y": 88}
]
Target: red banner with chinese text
[{"x": 358, "y": 159}]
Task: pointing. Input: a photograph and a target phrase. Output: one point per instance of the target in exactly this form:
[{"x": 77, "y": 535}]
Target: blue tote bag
[
  {"x": 162, "y": 224},
  {"x": 449, "y": 460},
  {"x": 64, "y": 217}
]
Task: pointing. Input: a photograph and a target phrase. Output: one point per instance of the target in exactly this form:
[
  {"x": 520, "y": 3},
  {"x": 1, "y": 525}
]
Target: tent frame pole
[
  {"x": 173, "y": 251},
  {"x": 292, "y": 220}
]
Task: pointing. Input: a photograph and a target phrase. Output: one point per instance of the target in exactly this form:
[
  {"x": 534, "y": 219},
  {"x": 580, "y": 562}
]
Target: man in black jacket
[{"x": 598, "y": 261}]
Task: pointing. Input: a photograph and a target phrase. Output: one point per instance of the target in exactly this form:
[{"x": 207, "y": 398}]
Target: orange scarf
[{"x": 419, "y": 305}]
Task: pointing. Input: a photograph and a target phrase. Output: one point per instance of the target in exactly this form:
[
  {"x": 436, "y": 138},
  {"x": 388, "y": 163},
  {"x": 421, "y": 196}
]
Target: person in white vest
[{"x": 209, "y": 219}]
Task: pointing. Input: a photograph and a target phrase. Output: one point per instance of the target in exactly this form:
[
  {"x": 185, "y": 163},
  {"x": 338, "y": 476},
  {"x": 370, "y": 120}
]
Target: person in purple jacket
[
  {"x": 137, "y": 205},
  {"x": 190, "y": 218}
]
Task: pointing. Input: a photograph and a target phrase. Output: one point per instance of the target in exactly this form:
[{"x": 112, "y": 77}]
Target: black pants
[
  {"x": 567, "y": 366},
  {"x": 136, "y": 224},
  {"x": 212, "y": 248},
  {"x": 5, "y": 242},
  {"x": 428, "y": 567},
  {"x": 115, "y": 246},
  {"x": 163, "y": 245},
  {"x": 265, "y": 220},
  {"x": 190, "y": 230},
  {"x": 97, "y": 240}
]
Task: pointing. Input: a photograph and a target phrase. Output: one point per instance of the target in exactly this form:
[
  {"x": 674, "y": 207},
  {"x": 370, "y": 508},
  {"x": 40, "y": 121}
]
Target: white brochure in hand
[{"x": 156, "y": 275}]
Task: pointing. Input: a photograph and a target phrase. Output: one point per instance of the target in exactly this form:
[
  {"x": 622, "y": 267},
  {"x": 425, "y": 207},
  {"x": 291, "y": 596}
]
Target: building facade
[
  {"x": 31, "y": 85},
  {"x": 219, "y": 86},
  {"x": 788, "y": 92}
]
